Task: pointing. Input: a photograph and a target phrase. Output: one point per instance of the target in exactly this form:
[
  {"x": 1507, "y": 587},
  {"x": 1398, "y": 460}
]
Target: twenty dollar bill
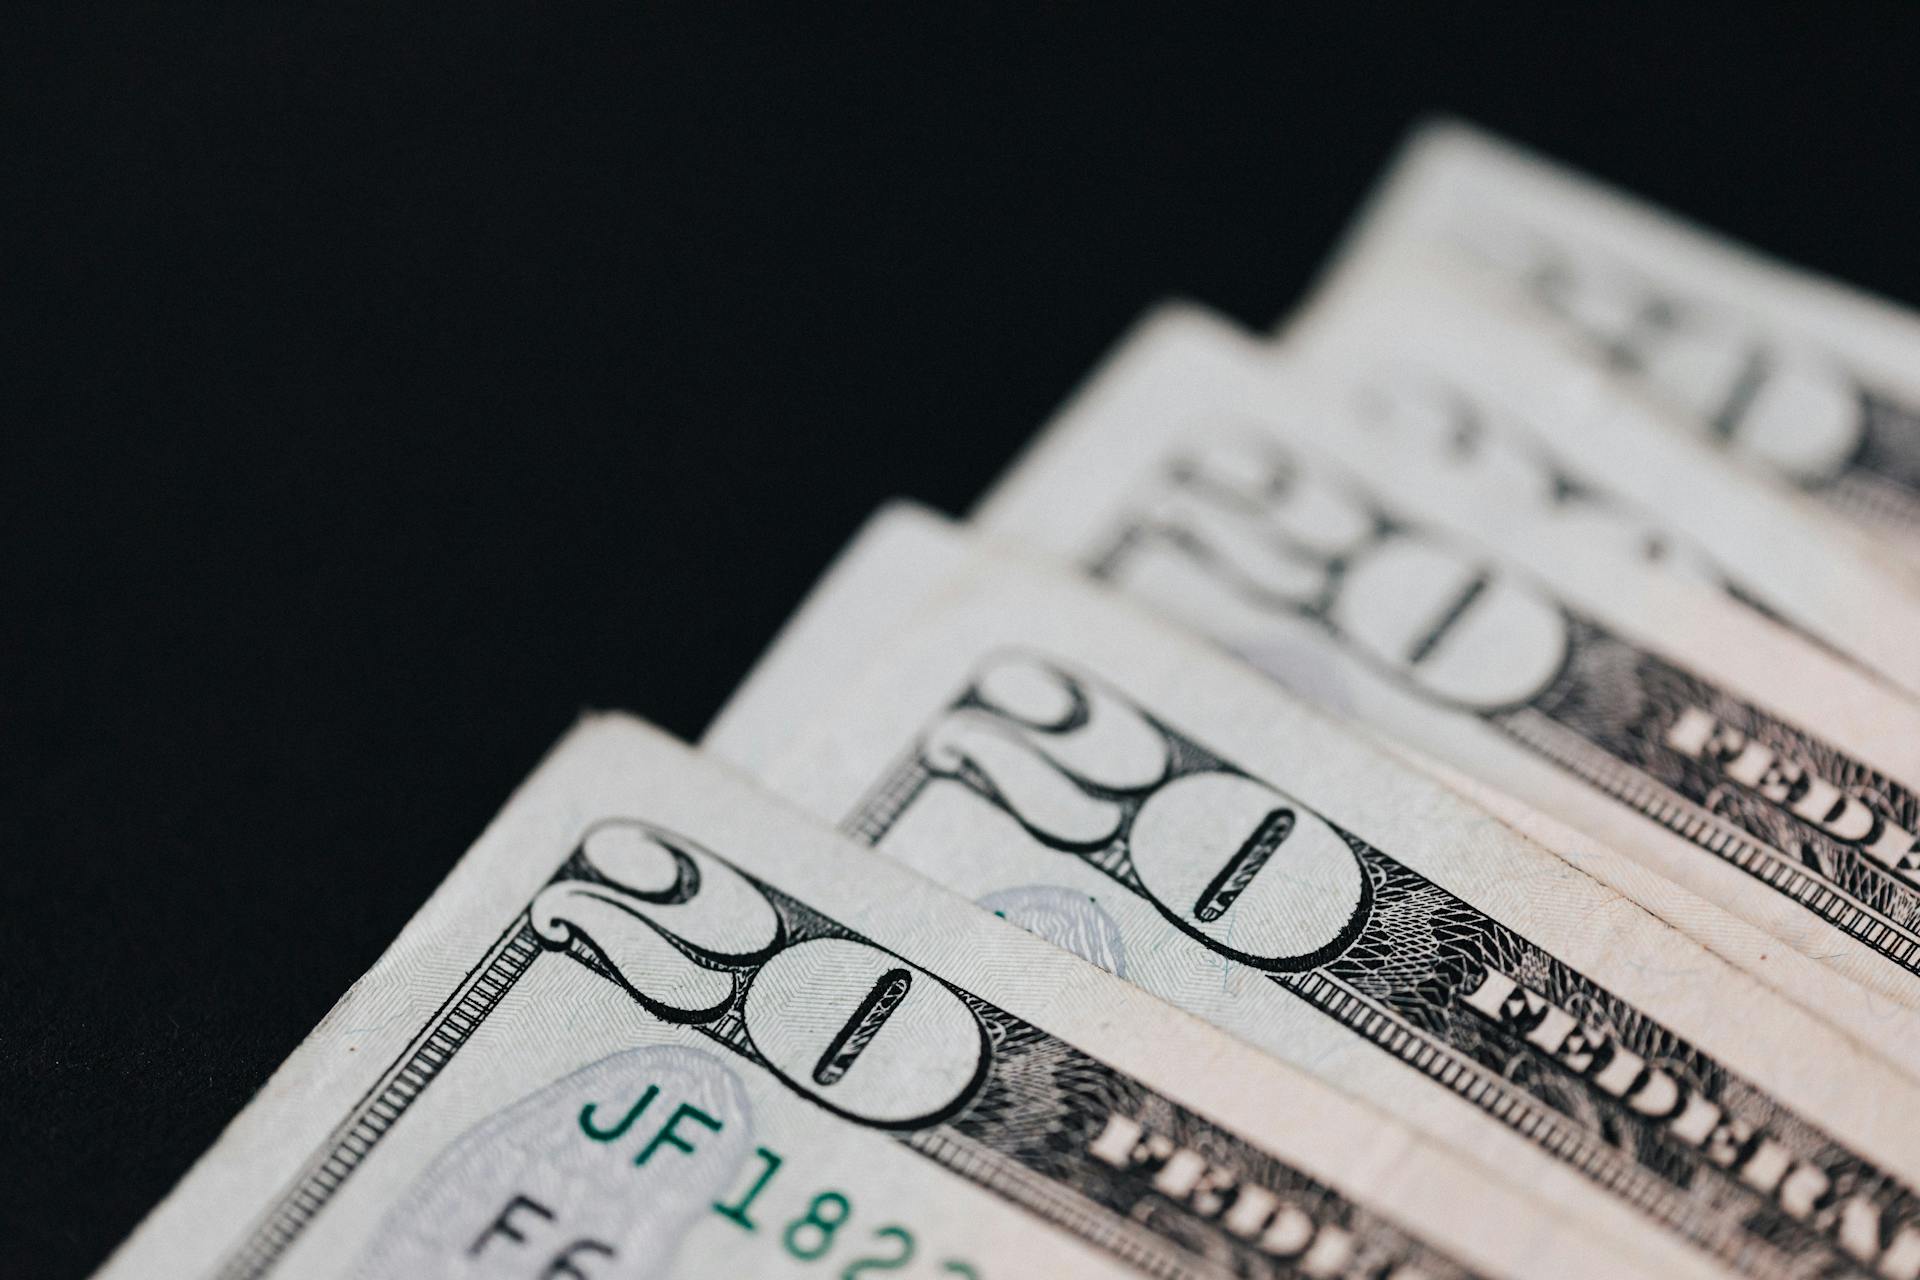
[
  {"x": 655, "y": 1024},
  {"x": 1756, "y": 769},
  {"x": 1048, "y": 751},
  {"x": 1562, "y": 463},
  {"x": 1784, "y": 372}
]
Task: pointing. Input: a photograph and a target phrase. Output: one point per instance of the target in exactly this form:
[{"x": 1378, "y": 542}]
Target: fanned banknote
[
  {"x": 1799, "y": 376},
  {"x": 1047, "y": 750},
  {"x": 1882, "y": 1025},
  {"x": 656, "y": 1024},
  {"x": 1744, "y": 763},
  {"x": 1417, "y": 350}
]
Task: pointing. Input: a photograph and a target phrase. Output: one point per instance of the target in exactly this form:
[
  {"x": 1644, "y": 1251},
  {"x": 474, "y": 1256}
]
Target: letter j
[{"x": 626, "y": 1122}]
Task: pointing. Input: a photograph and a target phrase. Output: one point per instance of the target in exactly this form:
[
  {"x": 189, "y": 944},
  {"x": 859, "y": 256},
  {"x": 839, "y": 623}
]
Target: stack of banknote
[{"x": 1430, "y": 792}]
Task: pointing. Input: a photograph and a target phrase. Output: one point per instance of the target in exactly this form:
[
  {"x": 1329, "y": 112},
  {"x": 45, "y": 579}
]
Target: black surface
[{"x": 385, "y": 384}]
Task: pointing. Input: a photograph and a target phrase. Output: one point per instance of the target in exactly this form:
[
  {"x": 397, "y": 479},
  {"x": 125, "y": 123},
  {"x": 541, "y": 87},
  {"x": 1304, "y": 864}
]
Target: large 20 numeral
[
  {"x": 1225, "y": 858},
  {"x": 874, "y": 1039}
]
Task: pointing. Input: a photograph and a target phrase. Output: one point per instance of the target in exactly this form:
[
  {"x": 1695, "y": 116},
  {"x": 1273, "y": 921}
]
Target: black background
[{"x": 388, "y": 382}]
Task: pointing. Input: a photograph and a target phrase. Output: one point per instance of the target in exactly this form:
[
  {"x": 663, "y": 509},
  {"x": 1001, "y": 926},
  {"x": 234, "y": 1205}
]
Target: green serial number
[{"x": 810, "y": 1235}]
